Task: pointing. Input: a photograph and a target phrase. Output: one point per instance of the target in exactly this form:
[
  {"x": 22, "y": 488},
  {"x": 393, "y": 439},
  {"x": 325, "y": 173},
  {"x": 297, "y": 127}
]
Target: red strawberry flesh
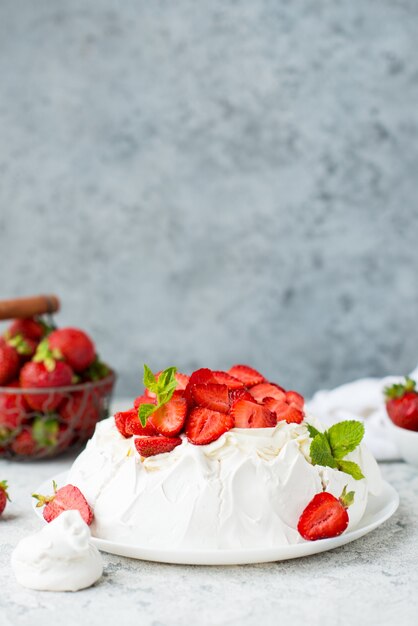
[
  {"x": 246, "y": 375},
  {"x": 212, "y": 396},
  {"x": 150, "y": 446},
  {"x": 170, "y": 417},
  {"x": 204, "y": 426},
  {"x": 267, "y": 390},
  {"x": 324, "y": 517},
  {"x": 250, "y": 415},
  {"x": 68, "y": 498}
]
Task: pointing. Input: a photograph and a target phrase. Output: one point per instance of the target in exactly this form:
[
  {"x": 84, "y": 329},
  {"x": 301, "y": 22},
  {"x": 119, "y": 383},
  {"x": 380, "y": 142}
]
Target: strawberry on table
[
  {"x": 402, "y": 404},
  {"x": 150, "y": 446},
  {"x": 4, "y": 496},
  {"x": 204, "y": 426},
  {"x": 251, "y": 415},
  {"x": 73, "y": 345},
  {"x": 325, "y": 516},
  {"x": 68, "y": 498},
  {"x": 246, "y": 375}
]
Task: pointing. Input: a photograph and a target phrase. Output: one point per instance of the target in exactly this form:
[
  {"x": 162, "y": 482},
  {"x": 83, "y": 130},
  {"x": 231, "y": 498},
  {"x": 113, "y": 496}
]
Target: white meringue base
[{"x": 245, "y": 490}]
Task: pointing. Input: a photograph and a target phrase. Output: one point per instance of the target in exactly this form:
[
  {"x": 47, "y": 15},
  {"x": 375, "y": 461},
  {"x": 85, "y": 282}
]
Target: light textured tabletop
[{"x": 371, "y": 581}]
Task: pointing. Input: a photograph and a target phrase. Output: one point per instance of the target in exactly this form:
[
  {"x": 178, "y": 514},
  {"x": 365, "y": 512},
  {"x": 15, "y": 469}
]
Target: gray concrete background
[{"x": 209, "y": 183}]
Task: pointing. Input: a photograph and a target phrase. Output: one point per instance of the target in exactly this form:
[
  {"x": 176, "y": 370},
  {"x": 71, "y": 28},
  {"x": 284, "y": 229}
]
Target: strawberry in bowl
[{"x": 53, "y": 389}]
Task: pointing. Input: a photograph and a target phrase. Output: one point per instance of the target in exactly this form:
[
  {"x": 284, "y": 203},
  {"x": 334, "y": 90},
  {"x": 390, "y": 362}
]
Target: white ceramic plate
[{"x": 378, "y": 510}]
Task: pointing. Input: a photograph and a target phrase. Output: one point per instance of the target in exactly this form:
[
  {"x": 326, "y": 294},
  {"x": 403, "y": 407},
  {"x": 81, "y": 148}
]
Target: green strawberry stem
[
  {"x": 43, "y": 500},
  {"x": 47, "y": 356},
  {"x": 398, "y": 390},
  {"x": 4, "y": 487},
  {"x": 345, "y": 498}
]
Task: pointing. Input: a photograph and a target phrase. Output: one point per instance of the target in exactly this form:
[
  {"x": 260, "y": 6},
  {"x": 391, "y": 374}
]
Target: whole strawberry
[
  {"x": 74, "y": 346},
  {"x": 325, "y": 516},
  {"x": 68, "y": 498},
  {"x": 13, "y": 410},
  {"x": 29, "y": 328},
  {"x": 4, "y": 496},
  {"x": 9, "y": 362},
  {"x": 402, "y": 404},
  {"x": 48, "y": 373}
]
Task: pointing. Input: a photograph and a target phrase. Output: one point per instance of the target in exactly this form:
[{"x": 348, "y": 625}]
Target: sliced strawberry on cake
[
  {"x": 204, "y": 425},
  {"x": 212, "y": 396},
  {"x": 251, "y": 415},
  {"x": 169, "y": 418},
  {"x": 150, "y": 446},
  {"x": 247, "y": 375},
  {"x": 267, "y": 390}
]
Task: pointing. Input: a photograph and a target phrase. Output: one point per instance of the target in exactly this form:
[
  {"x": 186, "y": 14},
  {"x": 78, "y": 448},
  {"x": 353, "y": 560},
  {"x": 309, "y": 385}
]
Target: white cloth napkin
[{"x": 360, "y": 399}]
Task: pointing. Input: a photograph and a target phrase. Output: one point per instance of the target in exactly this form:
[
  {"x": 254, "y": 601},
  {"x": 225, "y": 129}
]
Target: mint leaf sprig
[
  {"x": 330, "y": 447},
  {"x": 163, "y": 388}
]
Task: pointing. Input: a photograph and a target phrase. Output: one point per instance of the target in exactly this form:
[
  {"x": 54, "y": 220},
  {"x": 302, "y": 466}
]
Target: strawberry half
[
  {"x": 68, "y": 498},
  {"x": 170, "y": 417},
  {"x": 223, "y": 378},
  {"x": 267, "y": 390},
  {"x": 239, "y": 394},
  {"x": 199, "y": 377},
  {"x": 325, "y": 516},
  {"x": 246, "y": 375},
  {"x": 284, "y": 411},
  {"x": 212, "y": 396},
  {"x": 204, "y": 426},
  {"x": 402, "y": 404},
  {"x": 293, "y": 398},
  {"x": 150, "y": 446},
  {"x": 134, "y": 427},
  {"x": 250, "y": 415}
]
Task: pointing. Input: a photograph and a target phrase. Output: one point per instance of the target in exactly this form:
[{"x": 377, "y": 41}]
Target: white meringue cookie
[{"x": 60, "y": 557}]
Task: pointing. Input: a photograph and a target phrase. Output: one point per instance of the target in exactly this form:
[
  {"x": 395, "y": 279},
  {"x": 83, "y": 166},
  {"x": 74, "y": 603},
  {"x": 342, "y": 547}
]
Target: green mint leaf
[
  {"x": 313, "y": 432},
  {"x": 166, "y": 379},
  {"x": 344, "y": 437},
  {"x": 350, "y": 468},
  {"x": 320, "y": 451},
  {"x": 144, "y": 411},
  {"x": 149, "y": 380}
]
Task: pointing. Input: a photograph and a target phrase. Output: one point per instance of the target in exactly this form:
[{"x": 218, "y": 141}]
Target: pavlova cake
[{"x": 219, "y": 460}]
